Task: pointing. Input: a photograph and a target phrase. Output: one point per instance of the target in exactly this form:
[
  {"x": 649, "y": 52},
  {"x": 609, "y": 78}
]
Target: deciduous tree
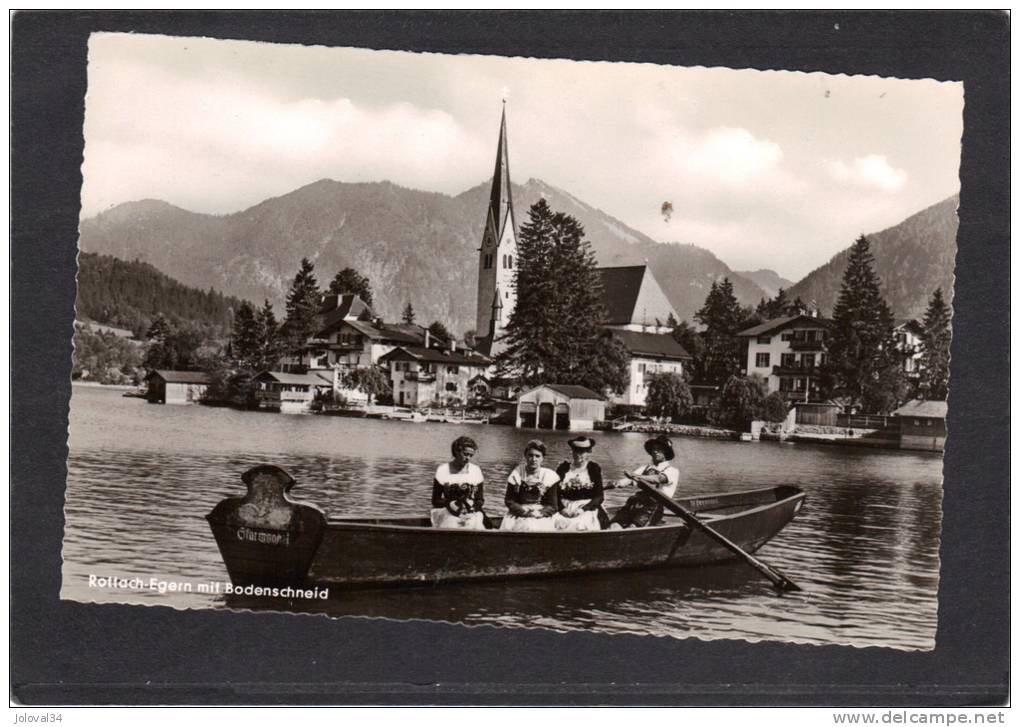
[
  {"x": 669, "y": 395},
  {"x": 740, "y": 403}
]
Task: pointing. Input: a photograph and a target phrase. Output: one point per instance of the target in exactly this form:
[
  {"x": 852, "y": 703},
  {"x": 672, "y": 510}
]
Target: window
[
  {"x": 786, "y": 337},
  {"x": 642, "y": 368},
  {"x": 761, "y": 360},
  {"x": 788, "y": 360},
  {"x": 808, "y": 360},
  {"x": 452, "y": 369},
  {"x": 510, "y": 261},
  {"x": 451, "y": 387},
  {"x": 764, "y": 339},
  {"x": 785, "y": 385}
]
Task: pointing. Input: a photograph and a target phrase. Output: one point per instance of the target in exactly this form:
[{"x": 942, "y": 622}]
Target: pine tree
[
  {"x": 302, "y": 305},
  {"x": 555, "y": 333},
  {"x": 722, "y": 316},
  {"x": 862, "y": 363},
  {"x": 159, "y": 330},
  {"x": 269, "y": 338},
  {"x": 408, "y": 315},
  {"x": 350, "y": 281},
  {"x": 244, "y": 340},
  {"x": 935, "y": 339}
]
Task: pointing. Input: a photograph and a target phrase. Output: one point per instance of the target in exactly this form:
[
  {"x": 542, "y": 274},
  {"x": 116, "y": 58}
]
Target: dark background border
[{"x": 71, "y": 653}]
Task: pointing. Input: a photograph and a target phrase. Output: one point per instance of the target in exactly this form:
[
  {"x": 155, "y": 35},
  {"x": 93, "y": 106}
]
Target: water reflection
[{"x": 864, "y": 548}]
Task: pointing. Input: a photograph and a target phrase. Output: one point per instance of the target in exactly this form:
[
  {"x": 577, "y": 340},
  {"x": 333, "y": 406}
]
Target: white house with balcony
[
  {"x": 908, "y": 340},
  {"x": 639, "y": 315},
  {"x": 424, "y": 377},
  {"x": 788, "y": 353}
]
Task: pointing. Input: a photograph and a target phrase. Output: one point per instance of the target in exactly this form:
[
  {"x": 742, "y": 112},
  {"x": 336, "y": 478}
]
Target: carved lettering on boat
[{"x": 266, "y": 537}]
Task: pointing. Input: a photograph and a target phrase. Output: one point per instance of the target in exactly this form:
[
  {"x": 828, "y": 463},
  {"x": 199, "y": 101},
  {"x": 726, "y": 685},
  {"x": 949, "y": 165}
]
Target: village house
[
  {"x": 639, "y": 315},
  {"x": 788, "y": 353},
  {"x": 908, "y": 340},
  {"x": 349, "y": 335},
  {"x": 424, "y": 377}
]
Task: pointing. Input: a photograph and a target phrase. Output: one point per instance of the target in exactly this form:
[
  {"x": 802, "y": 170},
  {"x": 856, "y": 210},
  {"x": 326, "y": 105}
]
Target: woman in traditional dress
[
  {"x": 532, "y": 494},
  {"x": 642, "y": 509},
  {"x": 581, "y": 490},
  {"x": 458, "y": 489}
]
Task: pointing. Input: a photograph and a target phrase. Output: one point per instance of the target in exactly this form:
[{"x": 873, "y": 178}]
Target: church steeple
[
  {"x": 501, "y": 206},
  {"x": 497, "y": 293}
]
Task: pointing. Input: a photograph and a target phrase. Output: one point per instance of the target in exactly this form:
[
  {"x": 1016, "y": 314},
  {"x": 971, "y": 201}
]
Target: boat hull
[{"x": 310, "y": 551}]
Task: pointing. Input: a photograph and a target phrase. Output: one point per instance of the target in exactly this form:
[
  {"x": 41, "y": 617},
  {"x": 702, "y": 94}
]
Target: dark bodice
[{"x": 585, "y": 485}]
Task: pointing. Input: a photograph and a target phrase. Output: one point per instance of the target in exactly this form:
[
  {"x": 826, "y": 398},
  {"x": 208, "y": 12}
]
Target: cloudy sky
[{"x": 765, "y": 169}]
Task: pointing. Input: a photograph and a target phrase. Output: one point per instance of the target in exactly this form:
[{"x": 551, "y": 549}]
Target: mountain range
[
  {"x": 421, "y": 247},
  {"x": 912, "y": 259}
]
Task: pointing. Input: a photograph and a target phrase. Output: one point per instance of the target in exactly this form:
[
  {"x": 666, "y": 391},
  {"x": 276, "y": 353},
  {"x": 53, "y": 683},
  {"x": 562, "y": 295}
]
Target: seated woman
[
  {"x": 457, "y": 490},
  {"x": 641, "y": 509},
  {"x": 581, "y": 490},
  {"x": 532, "y": 494}
]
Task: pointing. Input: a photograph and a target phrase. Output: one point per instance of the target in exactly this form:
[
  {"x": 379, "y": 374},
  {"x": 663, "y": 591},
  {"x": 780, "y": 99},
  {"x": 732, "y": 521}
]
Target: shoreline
[{"x": 112, "y": 387}]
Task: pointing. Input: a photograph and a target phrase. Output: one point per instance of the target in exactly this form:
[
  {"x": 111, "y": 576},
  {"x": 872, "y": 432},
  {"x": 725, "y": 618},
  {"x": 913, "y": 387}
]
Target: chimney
[
  {"x": 453, "y": 345},
  {"x": 427, "y": 338}
]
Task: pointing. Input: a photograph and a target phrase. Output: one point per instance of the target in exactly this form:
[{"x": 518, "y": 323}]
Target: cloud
[
  {"x": 248, "y": 143},
  {"x": 732, "y": 156},
  {"x": 872, "y": 170}
]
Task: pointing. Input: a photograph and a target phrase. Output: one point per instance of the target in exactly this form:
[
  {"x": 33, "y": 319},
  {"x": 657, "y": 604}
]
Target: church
[{"x": 638, "y": 309}]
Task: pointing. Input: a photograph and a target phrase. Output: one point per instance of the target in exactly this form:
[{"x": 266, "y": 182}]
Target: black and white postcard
[{"x": 613, "y": 347}]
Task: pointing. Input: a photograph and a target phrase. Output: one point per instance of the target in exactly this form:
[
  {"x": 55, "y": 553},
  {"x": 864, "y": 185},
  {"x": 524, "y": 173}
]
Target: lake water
[{"x": 864, "y": 548}]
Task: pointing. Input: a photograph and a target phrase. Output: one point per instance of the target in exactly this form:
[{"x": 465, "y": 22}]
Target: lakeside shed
[
  {"x": 922, "y": 425},
  {"x": 291, "y": 393},
  {"x": 175, "y": 387},
  {"x": 560, "y": 406}
]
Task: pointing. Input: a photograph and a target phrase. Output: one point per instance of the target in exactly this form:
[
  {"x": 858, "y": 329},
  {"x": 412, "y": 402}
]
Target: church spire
[{"x": 501, "y": 207}]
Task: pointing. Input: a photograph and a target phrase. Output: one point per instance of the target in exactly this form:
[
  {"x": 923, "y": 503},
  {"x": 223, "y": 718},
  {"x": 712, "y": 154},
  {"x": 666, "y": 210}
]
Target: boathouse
[
  {"x": 291, "y": 393},
  {"x": 559, "y": 406},
  {"x": 922, "y": 425},
  {"x": 176, "y": 387}
]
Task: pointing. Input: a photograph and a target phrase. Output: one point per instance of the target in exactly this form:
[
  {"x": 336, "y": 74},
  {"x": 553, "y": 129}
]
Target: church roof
[
  {"x": 501, "y": 206},
  {"x": 655, "y": 345},
  {"x": 631, "y": 295}
]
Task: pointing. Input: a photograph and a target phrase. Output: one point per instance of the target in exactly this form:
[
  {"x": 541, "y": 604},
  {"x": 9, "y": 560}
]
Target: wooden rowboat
[{"x": 268, "y": 539}]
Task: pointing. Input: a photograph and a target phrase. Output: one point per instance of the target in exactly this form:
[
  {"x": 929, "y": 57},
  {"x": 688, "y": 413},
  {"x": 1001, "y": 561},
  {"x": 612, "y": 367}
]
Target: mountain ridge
[{"x": 423, "y": 244}]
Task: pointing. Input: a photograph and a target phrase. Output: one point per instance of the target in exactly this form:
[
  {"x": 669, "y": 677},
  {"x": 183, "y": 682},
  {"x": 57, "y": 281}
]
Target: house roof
[
  {"x": 659, "y": 345},
  {"x": 434, "y": 355},
  {"x": 337, "y": 308},
  {"x": 311, "y": 378},
  {"x": 924, "y": 409},
  {"x": 631, "y": 294},
  {"x": 569, "y": 390},
  {"x": 181, "y": 377},
  {"x": 910, "y": 325},
  {"x": 777, "y": 324}
]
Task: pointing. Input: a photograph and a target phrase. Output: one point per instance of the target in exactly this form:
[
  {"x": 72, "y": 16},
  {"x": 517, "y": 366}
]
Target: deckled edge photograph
[{"x": 517, "y": 344}]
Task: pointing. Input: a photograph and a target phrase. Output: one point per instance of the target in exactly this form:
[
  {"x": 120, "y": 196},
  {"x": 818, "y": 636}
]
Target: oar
[{"x": 780, "y": 581}]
